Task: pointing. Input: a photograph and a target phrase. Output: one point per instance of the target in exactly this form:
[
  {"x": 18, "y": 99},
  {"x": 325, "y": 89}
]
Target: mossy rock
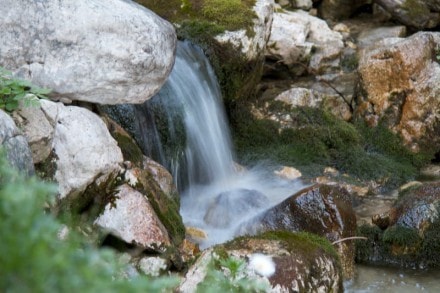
[
  {"x": 303, "y": 262},
  {"x": 296, "y": 257},
  {"x": 166, "y": 208},
  {"x": 199, "y": 21}
]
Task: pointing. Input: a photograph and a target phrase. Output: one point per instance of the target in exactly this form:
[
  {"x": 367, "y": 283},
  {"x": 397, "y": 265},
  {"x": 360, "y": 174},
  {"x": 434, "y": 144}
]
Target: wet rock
[
  {"x": 409, "y": 231},
  {"x": 400, "y": 78},
  {"x": 15, "y": 145},
  {"x": 230, "y": 206},
  {"x": 302, "y": 262},
  {"x": 131, "y": 218},
  {"x": 431, "y": 171},
  {"x": 106, "y": 52},
  {"x": 324, "y": 210},
  {"x": 419, "y": 14},
  {"x": 339, "y": 9},
  {"x": 165, "y": 205}
]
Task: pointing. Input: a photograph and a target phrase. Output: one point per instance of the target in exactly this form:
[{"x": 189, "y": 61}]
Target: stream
[{"x": 207, "y": 177}]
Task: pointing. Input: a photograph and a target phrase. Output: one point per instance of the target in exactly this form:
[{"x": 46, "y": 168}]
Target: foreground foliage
[{"x": 34, "y": 259}]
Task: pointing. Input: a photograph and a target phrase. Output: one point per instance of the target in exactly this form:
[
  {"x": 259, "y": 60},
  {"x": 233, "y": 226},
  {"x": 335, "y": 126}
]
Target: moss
[
  {"x": 231, "y": 14},
  {"x": 401, "y": 236},
  {"x": 365, "y": 248},
  {"x": 415, "y": 8},
  {"x": 226, "y": 14},
  {"x": 430, "y": 249},
  {"x": 130, "y": 150},
  {"x": 316, "y": 139}
]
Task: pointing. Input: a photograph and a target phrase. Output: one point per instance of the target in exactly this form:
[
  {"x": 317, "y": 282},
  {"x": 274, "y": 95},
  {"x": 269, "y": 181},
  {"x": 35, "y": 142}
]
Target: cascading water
[{"x": 215, "y": 197}]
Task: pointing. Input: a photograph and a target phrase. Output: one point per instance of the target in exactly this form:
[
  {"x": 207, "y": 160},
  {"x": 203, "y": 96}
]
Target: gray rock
[
  {"x": 230, "y": 206},
  {"x": 85, "y": 151},
  {"x": 15, "y": 145},
  {"x": 370, "y": 36},
  {"x": 414, "y": 13},
  {"x": 100, "y": 51}
]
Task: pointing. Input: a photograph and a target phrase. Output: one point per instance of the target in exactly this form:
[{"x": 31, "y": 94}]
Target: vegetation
[
  {"x": 222, "y": 14},
  {"x": 316, "y": 139},
  {"x": 33, "y": 257},
  {"x": 13, "y": 91},
  {"x": 227, "y": 274}
]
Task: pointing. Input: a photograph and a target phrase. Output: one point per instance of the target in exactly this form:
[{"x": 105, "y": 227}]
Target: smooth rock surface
[
  {"x": 85, "y": 151},
  {"x": 132, "y": 219},
  {"x": 100, "y": 51}
]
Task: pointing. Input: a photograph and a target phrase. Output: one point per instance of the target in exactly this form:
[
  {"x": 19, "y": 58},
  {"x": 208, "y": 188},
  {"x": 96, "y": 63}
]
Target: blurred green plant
[
  {"x": 34, "y": 258},
  {"x": 229, "y": 275},
  {"x": 13, "y": 91}
]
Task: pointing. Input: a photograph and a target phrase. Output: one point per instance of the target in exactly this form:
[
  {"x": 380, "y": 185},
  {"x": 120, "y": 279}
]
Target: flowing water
[
  {"x": 215, "y": 197},
  {"x": 184, "y": 128}
]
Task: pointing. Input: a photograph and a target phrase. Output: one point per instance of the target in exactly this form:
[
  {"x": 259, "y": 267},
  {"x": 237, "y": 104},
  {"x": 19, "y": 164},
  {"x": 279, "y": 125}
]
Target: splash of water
[{"x": 215, "y": 197}]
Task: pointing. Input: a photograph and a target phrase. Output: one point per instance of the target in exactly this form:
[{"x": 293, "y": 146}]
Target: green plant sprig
[{"x": 13, "y": 91}]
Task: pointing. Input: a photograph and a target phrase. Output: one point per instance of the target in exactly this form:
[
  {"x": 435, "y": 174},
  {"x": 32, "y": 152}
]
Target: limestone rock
[
  {"x": 152, "y": 266},
  {"x": 370, "y": 36},
  {"x": 38, "y": 130},
  {"x": 15, "y": 145},
  {"x": 414, "y": 13},
  {"x": 84, "y": 149},
  {"x": 324, "y": 210},
  {"x": 132, "y": 219},
  {"x": 300, "y": 263},
  {"x": 102, "y": 51},
  {"x": 252, "y": 47},
  {"x": 293, "y": 36},
  {"x": 289, "y": 173},
  {"x": 401, "y": 80}
]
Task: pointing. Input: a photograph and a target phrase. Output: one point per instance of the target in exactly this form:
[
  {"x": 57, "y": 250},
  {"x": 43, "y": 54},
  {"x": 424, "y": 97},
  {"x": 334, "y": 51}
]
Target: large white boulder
[
  {"x": 100, "y": 51},
  {"x": 84, "y": 150}
]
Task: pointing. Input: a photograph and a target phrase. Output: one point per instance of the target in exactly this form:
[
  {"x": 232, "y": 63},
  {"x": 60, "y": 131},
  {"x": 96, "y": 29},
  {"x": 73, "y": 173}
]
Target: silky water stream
[{"x": 184, "y": 127}]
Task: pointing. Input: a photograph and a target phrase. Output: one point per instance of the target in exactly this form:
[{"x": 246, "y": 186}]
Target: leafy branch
[{"x": 13, "y": 91}]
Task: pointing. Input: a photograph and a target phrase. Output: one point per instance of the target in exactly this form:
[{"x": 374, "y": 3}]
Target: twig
[{"x": 349, "y": 238}]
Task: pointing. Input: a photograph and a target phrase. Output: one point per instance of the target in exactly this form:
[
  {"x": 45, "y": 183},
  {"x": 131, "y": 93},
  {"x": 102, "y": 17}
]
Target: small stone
[{"x": 289, "y": 173}]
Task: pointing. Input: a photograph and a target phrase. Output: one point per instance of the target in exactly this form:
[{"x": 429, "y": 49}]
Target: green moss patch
[
  {"x": 224, "y": 14},
  {"x": 316, "y": 139}
]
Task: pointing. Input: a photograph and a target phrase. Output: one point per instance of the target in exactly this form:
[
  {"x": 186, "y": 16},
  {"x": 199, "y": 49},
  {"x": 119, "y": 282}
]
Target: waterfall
[{"x": 184, "y": 127}]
